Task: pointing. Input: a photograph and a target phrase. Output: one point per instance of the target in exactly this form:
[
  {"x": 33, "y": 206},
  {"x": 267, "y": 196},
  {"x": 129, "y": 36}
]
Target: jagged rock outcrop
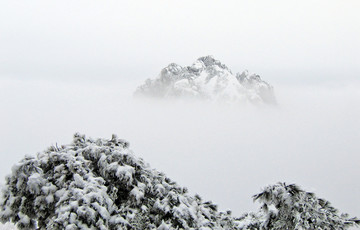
[{"x": 209, "y": 79}]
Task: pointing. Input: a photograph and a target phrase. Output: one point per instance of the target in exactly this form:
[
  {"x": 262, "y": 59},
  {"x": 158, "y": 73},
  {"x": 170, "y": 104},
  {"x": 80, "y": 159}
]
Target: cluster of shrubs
[{"x": 100, "y": 184}]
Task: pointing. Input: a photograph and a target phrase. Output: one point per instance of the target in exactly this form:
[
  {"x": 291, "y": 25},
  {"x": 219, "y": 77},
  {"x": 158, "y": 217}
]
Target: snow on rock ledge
[{"x": 209, "y": 79}]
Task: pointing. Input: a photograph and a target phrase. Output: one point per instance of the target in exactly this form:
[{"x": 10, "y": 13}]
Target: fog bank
[{"x": 225, "y": 153}]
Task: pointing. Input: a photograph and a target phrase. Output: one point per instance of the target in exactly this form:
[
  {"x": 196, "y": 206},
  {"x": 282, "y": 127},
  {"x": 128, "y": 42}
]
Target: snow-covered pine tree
[
  {"x": 100, "y": 184},
  {"x": 287, "y": 206}
]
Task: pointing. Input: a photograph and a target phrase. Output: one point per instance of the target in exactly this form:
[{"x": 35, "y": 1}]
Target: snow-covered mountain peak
[
  {"x": 172, "y": 68},
  {"x": 211, "y": 61},
  {"x": 209, "y": 79}
]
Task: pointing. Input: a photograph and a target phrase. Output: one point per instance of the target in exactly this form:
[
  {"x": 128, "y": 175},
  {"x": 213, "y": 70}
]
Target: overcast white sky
[
  {"x": 284, "y": 40},
  {"x": 71, "y": 66}
]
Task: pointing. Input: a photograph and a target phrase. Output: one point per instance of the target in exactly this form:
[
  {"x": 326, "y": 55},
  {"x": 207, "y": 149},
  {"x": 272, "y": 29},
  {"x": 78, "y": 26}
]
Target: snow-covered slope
[{"x": 207, "y": 78}]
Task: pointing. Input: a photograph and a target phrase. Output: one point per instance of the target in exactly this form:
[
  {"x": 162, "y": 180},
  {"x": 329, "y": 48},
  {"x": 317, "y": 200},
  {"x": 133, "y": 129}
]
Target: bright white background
[{"x": 71, "y": 66}]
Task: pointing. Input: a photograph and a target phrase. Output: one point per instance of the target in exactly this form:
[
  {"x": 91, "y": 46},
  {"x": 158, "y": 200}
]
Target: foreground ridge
[
  {"x": 209, "y": 79},
  {"x": 100, "y": 184}
]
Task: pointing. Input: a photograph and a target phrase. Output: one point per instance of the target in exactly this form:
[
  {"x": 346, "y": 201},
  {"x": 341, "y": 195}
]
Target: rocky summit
[{"x": 208, "y": 79}]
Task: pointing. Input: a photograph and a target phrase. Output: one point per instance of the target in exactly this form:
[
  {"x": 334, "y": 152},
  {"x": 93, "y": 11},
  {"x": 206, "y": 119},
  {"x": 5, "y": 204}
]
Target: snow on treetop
[{"x": 101, "y": 184}]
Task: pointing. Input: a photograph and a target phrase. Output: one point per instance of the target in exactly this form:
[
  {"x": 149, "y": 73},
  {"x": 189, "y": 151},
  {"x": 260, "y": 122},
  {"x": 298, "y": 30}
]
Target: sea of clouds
[{"x": 225, "y": 153}]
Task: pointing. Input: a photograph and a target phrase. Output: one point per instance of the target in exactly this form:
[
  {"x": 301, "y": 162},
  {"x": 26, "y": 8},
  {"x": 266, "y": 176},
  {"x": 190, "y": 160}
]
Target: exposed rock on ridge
[{"x": 209, "y": 79}]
